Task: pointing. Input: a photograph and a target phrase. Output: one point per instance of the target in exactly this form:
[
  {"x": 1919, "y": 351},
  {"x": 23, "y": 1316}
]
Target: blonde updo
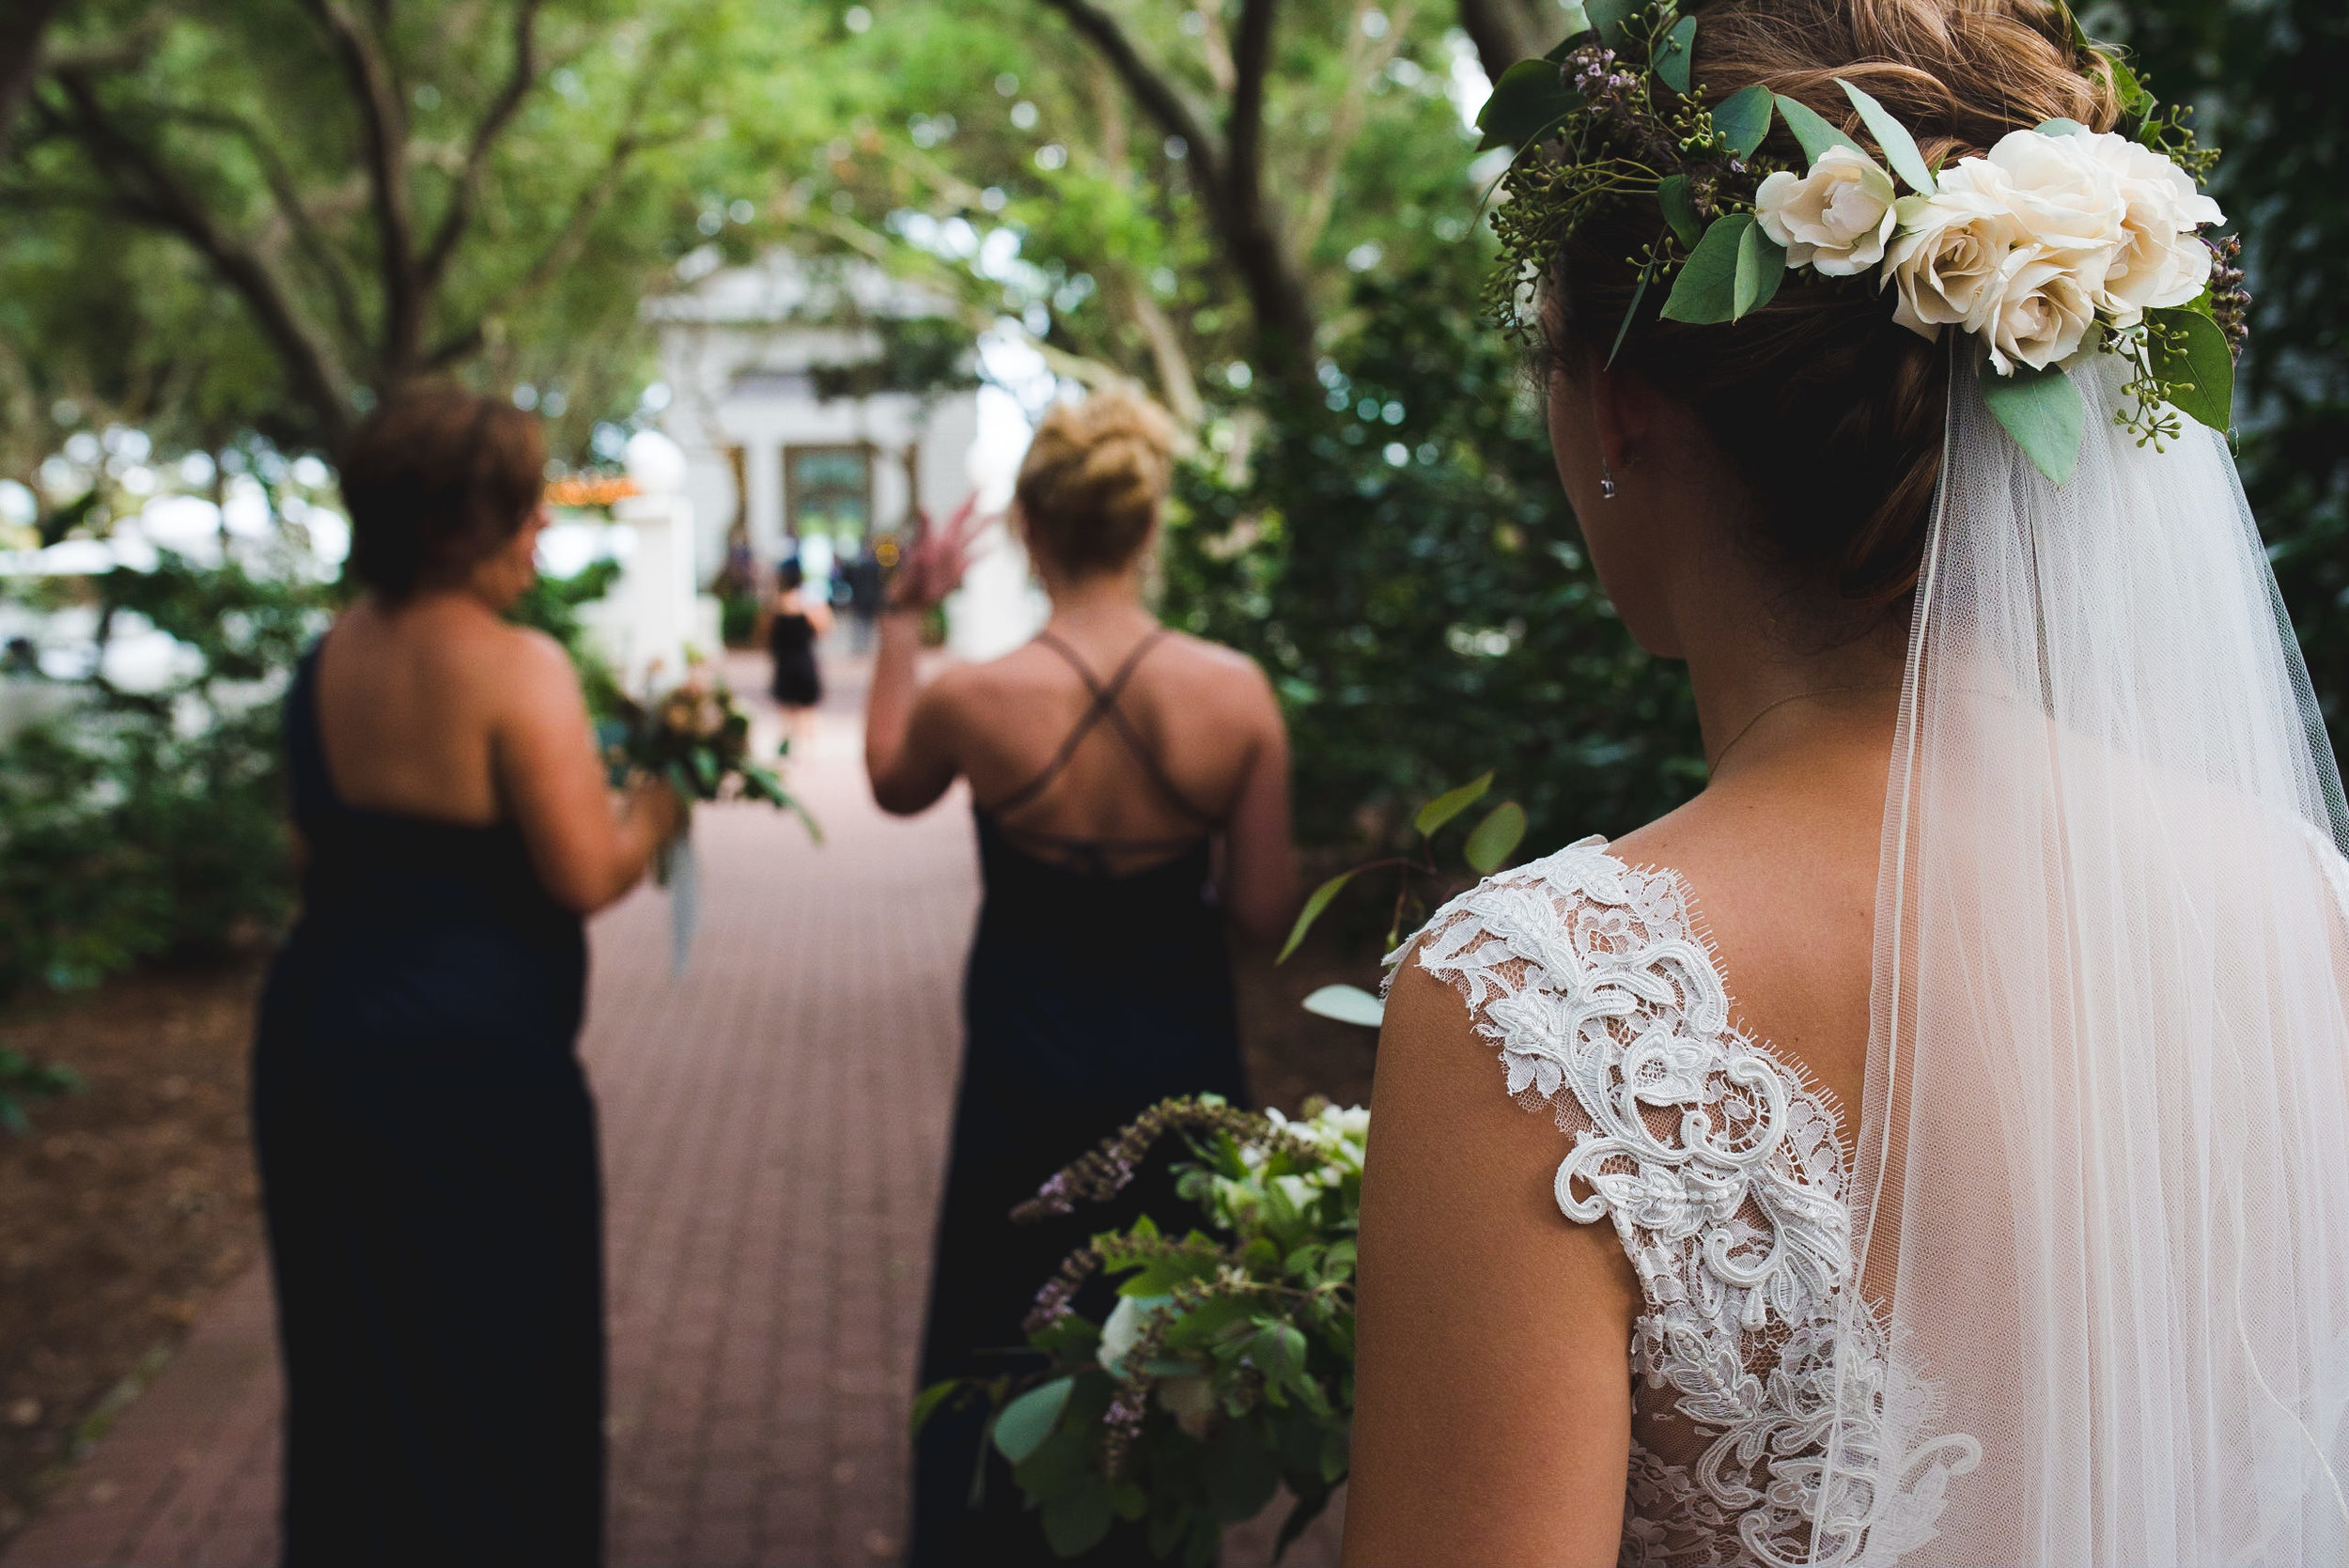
[
  {"x": 1830, "y": 411},
  {"x": 1094, "y": 478}
]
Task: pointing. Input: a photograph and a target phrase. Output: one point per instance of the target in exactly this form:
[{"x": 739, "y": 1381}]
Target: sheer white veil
[{"x": 2102, "y": 1192}]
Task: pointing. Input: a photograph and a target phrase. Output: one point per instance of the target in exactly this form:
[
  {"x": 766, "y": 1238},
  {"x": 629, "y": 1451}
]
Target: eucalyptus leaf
[
  {"x": 1451, "y": 803},
  {"x": 1676, "y": 54},
  {"x": 1900, "y": 147},
  {"x": 2135, "y": 101},
  {"x": 2060, "y": 127},
  {"x": 1815, "y": 135},
  {"x": 2045, "y": 413},
  {"x": 1027, "y": 1421},
  {"x": 1496, "y": 838},
  {"x": 1529, "y": 102},
  {"x": 1347, "y": 1004},
  {"x": 1706, "y": 287},
  {"x": 1608, "y": 17},
  {"x": 1631, "y": 312},
  {"x": 1761, "y": 268},
  {"x": 1680, "y": 209},
  {"x": 1743, "y": 119},
  {"x": 1312, "y": 911},
  {"x": 2190, "y": 353}
]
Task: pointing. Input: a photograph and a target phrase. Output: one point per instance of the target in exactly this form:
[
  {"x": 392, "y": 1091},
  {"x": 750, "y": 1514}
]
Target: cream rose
[
  {"x": 1947, "y": 257},
  {"x": 2160, "y": 262},
  {"x": 2037, "y": 312},
  {"x": 2064, "y": 198},
  {"x": 1837, "y": 218}
]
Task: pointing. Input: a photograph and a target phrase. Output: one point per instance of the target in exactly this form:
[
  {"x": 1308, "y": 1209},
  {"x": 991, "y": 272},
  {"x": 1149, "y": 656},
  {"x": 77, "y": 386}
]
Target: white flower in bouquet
[{"x": 1837, "y": 218}]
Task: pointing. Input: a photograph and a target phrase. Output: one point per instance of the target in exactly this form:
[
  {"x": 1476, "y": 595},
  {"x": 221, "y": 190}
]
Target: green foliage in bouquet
[
  {"x": 697, "y": 740},
  {"x": 1226, "y": 1369}
]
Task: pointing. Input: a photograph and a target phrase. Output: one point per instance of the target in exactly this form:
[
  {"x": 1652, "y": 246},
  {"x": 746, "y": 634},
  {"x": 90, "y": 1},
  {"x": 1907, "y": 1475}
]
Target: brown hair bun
[
  {"x": 437, "y": 479},
  {"x": 1091, "y": 482},
  {"x": 1829, "y": 412}
]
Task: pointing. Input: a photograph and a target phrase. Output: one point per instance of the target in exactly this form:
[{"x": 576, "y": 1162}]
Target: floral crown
[{"x": 2058, "y": 243}]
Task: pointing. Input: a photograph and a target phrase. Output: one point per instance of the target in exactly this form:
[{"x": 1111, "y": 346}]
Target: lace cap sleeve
[{"x": 1717, "y": 1163}]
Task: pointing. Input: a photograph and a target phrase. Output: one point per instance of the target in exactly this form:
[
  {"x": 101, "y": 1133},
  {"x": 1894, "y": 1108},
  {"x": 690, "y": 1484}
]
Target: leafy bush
[
  {"x": 552, "y": 605},
  {"x": 1402, "y": 562},
  {"x": 147, "y": 823}
]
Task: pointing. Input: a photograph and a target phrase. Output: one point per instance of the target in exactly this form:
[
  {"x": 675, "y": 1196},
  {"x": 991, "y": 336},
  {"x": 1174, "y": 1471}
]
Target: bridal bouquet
[{"x": 1226, "y": 1367}]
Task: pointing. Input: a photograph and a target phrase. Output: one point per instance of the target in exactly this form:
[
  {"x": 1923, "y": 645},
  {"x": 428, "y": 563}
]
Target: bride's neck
[{"x": 1775, "y": 674}]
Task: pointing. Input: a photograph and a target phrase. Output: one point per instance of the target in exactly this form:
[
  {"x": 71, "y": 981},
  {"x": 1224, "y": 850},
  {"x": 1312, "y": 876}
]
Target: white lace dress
[{"x": 1719, "y": 1164}]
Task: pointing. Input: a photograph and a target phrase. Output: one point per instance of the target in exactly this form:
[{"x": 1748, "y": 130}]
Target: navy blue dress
[
  {"x": 427, "y": 1153},
  {"x": 1089, "y": 998}
]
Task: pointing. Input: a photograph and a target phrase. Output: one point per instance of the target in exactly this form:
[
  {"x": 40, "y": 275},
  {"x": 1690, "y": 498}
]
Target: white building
[{"x": 742, "y": 349}]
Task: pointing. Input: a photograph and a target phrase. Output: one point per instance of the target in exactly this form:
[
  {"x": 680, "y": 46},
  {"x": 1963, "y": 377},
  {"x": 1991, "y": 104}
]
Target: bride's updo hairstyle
[
  {"x": 1094, "y": 480},
  {"x": 1830, "y": 411}
]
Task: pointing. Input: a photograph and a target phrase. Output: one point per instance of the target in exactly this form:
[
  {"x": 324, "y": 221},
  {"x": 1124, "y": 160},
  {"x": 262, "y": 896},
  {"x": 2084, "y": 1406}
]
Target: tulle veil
[{"x": 2100, "y": 1196}]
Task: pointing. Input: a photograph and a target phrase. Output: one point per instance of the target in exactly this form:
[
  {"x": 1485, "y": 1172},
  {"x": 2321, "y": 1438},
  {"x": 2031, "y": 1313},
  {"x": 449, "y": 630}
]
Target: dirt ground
[{"x": 123, "y": 1208}]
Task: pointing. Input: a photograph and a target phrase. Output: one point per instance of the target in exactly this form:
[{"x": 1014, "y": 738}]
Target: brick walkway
[{"x": 773, "y": 1129}]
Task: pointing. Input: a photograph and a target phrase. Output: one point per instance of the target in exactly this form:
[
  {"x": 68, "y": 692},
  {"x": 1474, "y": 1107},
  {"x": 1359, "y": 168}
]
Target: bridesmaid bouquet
[
  {"x": 694, "y": 737},
  {"x": 1226, "y": 1367}
]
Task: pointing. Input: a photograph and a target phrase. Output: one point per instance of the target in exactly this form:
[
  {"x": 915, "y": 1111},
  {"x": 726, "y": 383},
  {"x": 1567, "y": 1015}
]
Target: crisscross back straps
[{"x": 1104, "y": 708}]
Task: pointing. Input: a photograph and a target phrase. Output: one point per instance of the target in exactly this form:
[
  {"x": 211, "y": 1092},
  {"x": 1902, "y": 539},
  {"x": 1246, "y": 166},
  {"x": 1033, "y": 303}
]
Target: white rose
[
  {"x": 2037, "y": 312},
  {"x": 1836, "y": 218},
  {"x": 1950, "y": 249},
  {"x": 2064, "y": 197},
  {"x": 2161, "y": 262}
]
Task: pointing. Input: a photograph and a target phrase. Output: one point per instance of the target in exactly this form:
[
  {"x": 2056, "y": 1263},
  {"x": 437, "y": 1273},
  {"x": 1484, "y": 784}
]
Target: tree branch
[
  {"x": 1284, "y": 323},
  {"x": 308, "y": 236},
  {"x": 146, "y": 191},
  {"x": 1157, "y": 96},
  {"x": 434, "y": 266},
  {"x": 383, "y": 121}
]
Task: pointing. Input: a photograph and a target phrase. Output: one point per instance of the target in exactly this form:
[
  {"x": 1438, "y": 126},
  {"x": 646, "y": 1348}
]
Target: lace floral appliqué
[{"x": 1720, "y": 1167}]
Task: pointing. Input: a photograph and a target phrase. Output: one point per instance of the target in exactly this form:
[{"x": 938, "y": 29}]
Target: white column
[
  {"x": 659, "y": 586},
  {"x": 762, "y": 476}
]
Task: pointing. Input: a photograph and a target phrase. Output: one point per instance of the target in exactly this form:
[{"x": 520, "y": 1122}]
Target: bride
[{"x": 1940, "y": 1134}]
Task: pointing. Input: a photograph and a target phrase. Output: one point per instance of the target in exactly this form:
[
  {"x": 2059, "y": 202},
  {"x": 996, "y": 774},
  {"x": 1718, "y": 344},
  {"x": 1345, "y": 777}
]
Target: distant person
[
  {"x": 1131, "y": 790},
  {"x": 795, "y": 620},
  {"x": 426, "y": 1136}
]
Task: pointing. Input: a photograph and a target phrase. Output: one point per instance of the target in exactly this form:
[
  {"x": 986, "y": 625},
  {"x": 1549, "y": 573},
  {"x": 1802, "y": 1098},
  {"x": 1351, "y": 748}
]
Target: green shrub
[{"x": 1424, "y": 619}]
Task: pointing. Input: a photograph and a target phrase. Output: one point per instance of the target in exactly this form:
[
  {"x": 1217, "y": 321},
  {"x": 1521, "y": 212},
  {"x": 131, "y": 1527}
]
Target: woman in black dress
[
  {"x": 1131, "y": 791},
  {"x": 795, "y": 621},
  {"x": 426, "y": 1141}
]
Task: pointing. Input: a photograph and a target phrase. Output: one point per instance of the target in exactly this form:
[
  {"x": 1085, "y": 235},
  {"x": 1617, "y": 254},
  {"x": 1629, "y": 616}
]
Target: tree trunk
[
  {"x": 1507, "y": 31},
  {"x": 23, "y": 23}
]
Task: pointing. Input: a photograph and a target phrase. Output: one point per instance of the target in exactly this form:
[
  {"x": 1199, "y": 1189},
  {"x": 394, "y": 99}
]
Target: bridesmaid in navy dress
[
  {"x": 426, "y": 1139},
  {"x": 1132, "y": 792}
]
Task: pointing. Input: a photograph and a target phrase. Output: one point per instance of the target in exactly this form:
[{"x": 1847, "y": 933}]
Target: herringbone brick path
[{"x": 774, "y": 1126}]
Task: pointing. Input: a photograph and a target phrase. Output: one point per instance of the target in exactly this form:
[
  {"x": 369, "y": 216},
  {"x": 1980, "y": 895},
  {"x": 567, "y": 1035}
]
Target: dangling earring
[{"x": 1606, "y": 481}]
